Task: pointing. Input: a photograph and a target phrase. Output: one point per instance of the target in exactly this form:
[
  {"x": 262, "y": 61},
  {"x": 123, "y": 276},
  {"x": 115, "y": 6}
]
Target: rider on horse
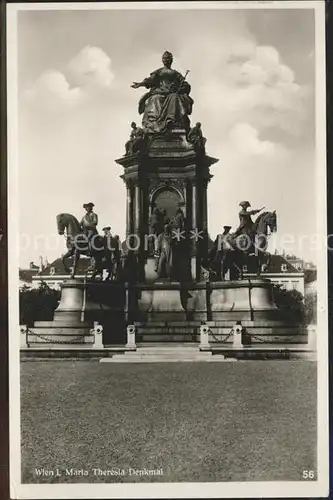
[
  {"x": 89, "y": 223},
  {"x": 246, "y": 222}
]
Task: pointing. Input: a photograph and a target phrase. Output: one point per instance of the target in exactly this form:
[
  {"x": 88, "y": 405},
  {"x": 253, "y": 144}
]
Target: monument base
[
  {"x": 250, "y": 302},
  {"x": 173, "y": 312},
  {"x": 167, "y": 312},
  {"x": 69, "y": 325}
]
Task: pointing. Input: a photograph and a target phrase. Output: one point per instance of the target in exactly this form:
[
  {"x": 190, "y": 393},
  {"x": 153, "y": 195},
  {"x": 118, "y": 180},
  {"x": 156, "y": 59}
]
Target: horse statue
[
  {"x": 77, "y": 244},
  {"x": 232, "y": 252}
]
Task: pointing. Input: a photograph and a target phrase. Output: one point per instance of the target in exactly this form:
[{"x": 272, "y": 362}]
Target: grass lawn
[{"x": 241, "y": 421}]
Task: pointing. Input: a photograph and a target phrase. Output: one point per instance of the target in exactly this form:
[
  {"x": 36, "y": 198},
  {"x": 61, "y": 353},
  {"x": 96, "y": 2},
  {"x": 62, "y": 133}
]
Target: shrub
[
  {"x": 291, "y": 302},
  {"x": 38, "y": 304}
]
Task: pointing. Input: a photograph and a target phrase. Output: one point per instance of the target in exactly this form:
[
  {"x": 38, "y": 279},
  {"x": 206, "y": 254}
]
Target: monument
[
  {"x": 166, "y": 180},
  {"x": 170, "y": 283}
]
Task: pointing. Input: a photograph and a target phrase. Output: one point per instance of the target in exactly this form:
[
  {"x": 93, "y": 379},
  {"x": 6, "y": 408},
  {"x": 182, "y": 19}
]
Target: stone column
[
  {"x": 137, "y": 209},
  {"x": 204, "y": 225},
  {"x": 129, "y": 211},
  {"x": 194, "y": 206},
  {"x": 194, "y": 270},
  {"x": 204, "y": 206}
]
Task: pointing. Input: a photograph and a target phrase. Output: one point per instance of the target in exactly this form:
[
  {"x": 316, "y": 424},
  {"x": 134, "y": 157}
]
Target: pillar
[
  {"x": 204, "y": 338},
  {"x": 131, "y": 345},
  {"x": 194, "y": 206},
  {"x": 194, "y": 264},
  {"x": 137, "y": 209},
  {"x": 129, "y": 210},
  {"x": 204, "y": 225},
  {"x": 204, "y": 207}
]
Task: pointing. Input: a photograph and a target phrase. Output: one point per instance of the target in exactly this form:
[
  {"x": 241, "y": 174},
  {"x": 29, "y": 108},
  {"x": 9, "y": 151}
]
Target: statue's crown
[{"x": 167, "y": 55}]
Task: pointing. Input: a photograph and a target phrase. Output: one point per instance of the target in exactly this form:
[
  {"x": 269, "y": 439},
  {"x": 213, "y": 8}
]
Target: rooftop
[
  {"x": 57, "y": 267},
  {"x": 278, "y": 264}
]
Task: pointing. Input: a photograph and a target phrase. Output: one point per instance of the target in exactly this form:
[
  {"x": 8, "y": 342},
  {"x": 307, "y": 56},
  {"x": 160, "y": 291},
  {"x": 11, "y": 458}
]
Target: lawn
[{"x": 237, "y": 421}]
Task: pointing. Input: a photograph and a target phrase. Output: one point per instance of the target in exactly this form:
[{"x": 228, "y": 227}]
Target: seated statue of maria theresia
[{"x": 168, "y": 103}]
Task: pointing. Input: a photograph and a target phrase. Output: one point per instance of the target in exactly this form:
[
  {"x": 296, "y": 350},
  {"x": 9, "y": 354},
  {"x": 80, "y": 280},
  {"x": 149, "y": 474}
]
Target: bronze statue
[
  {"x": 111, "y": 253},
  {"x": 196, "y": 138},
  {"x": 246, "y": 225},
  {"x": 78, "y": 243},
  {"x": 157, "y": 219},
  {"x": 117, "y": 268},
  {"x": 164, "y": 253},
  {"x": 178, "y": 221},
  {"x": 219, "y": 254},
  {"x": 168, "y": 103},
  {"x": 89, "y": 223},
  {"x": 230, "y": 254},
  {"x": 136, "y": 140},
  {"x": 107, "y": 243}
]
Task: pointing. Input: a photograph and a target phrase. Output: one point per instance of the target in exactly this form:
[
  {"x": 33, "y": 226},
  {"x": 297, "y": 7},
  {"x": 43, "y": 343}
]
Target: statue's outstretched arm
[
  {"x": 254, "y": 212},
  {"x": 148, "y": 82}
]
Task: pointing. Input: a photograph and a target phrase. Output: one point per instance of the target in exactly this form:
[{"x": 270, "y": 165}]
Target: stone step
[
  {"x": 163, "y": 360},
  {"x": 167, "y": 331},
  {"x": 165, "y": 353},
  {"x": 173, "y": 345},
  {"x": 158, "y": 356},
  {"x": 59, "y": 324},
  {"x": 155, "y": 324},
  {"x": 190, "y": 348},
  {"x": 164, "y": 337}
]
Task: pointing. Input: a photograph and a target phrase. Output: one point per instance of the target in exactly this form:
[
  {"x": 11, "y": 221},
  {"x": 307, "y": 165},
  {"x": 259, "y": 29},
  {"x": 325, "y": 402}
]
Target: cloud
[
  {"x": 252, "y": 104},
  {"x": 254, "y": 86},
  {"x": 91, "y": 67},
  {"x": 244, "y": 139},
  {"x": 51, "y": 89},
  {"x": 89, "y": 71}
]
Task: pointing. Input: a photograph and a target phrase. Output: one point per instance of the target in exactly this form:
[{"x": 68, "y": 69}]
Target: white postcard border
[{"x": 280, "y": 489}]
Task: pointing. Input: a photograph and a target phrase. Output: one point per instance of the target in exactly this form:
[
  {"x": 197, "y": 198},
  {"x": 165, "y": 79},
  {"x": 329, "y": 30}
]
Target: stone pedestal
[
  {"x": 72, "y": 303},
  {"x": 169, "y": 171},
  {"x": 68, "y": 326},
  {"x": 250, "y": 302},
  {"x": 162, "y": 302},
  {"x": 243, "y": 300}
]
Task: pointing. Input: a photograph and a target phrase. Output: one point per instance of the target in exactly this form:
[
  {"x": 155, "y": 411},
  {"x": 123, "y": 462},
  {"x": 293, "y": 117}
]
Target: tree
[
  {"x": 310, "y": 304},
  {"x": 291, "y": 302},
  {"x": 38, "y": 304}
]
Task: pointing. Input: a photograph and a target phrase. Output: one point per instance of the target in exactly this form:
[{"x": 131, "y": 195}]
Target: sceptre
[{"x": 183, "y": 80}]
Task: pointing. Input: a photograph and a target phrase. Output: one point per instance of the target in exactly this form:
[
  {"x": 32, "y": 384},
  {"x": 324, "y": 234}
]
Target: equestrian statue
[
  {"x": 231, "y": 251},
  {"x": 82, "y": 238}
]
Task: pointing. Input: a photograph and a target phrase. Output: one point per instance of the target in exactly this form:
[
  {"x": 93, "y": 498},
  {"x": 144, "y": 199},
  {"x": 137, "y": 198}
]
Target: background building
[
  {"x": 54, "y": 274},
  {"x": 288, "y": 274},
  {"x": 26, "y": 275}
]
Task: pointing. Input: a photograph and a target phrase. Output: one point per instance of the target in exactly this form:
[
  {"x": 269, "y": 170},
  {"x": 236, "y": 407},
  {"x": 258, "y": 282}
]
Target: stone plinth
[
  {"x": 173, "y": 312},
  {"x": 252, "y": 303},
  {"x": 71, "y": 306},
  {"x": 243, "y": 300},
  {"x": 162, "y": 301},
  {"x": 68, "y": 326},
  {"x": 168, "y": 301}
]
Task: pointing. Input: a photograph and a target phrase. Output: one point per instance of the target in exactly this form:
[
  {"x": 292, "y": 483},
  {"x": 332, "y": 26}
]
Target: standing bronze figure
[{"x": 164, "y": 253}]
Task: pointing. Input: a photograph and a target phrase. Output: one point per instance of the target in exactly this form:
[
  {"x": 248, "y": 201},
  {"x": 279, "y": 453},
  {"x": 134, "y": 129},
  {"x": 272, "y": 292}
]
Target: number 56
[{"x": 308, "y": 474}]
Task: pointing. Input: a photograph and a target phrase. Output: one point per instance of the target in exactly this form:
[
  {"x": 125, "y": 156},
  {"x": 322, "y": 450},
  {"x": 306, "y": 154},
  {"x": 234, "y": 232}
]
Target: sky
[{"x": 252, "y": 74}]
